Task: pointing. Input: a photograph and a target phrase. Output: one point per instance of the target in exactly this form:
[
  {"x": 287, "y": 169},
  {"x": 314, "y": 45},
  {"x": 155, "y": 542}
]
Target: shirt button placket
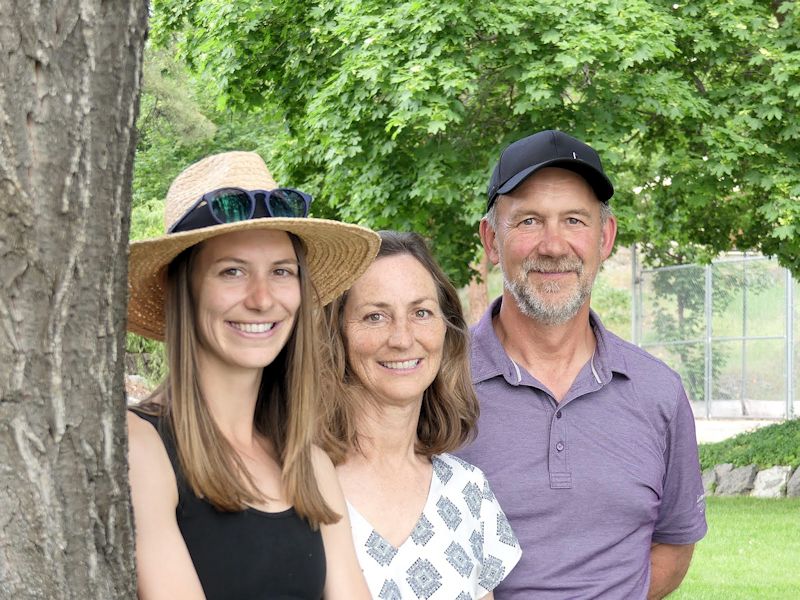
[{"x": 560, "y": 477}]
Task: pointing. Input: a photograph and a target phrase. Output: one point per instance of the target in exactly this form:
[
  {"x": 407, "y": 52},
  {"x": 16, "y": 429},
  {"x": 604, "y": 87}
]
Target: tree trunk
[
  {"x": 70, "y": 74},
  {"x": 478, "y": 291}
]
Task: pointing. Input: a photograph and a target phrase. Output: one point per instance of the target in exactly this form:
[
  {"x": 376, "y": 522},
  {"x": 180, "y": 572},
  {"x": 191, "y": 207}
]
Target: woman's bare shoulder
[
  {"x": 141, "y": 433},
  {"x": 149, "y": 465}
]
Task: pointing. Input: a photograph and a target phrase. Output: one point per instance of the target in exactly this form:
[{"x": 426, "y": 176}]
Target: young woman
[
  {"x": 425, "y": 523},
  {"x": 231, "y": 499}
]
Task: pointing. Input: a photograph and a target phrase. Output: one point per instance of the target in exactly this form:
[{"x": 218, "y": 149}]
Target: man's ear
[
  {"x": 489, "y": 241},
  {"x": 608, "y": 235}
]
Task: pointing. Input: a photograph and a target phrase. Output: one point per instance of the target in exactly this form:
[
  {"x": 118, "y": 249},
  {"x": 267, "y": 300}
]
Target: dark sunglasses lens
[
  {"x": 287, "y": 203},
  {"x": 230, "y": 206}
]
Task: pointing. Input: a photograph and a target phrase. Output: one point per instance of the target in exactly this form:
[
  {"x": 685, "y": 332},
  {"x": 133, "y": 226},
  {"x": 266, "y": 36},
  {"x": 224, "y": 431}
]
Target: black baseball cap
[{"x": 550, "y": 148}]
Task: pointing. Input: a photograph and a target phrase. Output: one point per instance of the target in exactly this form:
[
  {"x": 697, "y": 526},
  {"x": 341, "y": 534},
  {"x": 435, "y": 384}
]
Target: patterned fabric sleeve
[{"x": 498, "y": 547}]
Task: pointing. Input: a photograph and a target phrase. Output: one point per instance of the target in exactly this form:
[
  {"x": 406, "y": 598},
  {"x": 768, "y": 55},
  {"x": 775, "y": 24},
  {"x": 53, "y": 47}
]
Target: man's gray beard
[{"x": 532, "y": 303}]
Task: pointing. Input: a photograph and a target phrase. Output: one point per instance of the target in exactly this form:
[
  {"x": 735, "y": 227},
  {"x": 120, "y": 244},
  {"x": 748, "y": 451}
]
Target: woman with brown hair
[
  {"x": 425, "y": 523},
  {"x": 231, "y": 499}
]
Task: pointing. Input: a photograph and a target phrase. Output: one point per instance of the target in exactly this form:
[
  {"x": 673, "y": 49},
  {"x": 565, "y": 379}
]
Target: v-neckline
[{"x": 433, "y": 486}]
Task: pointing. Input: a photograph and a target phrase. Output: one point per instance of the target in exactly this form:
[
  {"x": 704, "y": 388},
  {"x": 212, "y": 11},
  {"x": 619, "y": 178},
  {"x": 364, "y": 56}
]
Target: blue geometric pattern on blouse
[
  {"x": 476, "y": 541},
  {"x": 422, "y": 532},
  {"x": 390, "y": 591},
  {"x": 449, "y": 513},
  {"x": 443, "y": 471},
  {"x": 458, "y": 558},
  {"x": 504, "y": 532},
  {"x": 463, "y": 463},
  {"x": 423, "y": 578},
  {"x": 488, "y": 494},
  {"x": 379, "y": 549},
  {"x": 492, "y": 572},
  {"x": 473, "y": 496}
]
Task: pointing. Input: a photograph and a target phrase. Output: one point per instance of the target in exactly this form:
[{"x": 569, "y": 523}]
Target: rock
[
  {"x": 793, "y": 487},
  {"x": 138, "y": 362},
  {"x": 709, "y": 480},
  {"x": 771, "y": 483},
  {"x": 722, "y": 470},
  {"x": 131, "y": 363},
  {"x": 738, "y": 482},
  {"x": 136, "y": 388}
]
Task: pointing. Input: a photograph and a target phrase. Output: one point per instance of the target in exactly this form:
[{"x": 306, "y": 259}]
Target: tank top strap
[{"x": 162, "y": 426}]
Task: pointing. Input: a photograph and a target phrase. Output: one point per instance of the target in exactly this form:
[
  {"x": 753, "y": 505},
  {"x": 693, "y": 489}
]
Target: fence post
[
  {"x": 743, "y": 365},
  {"x": 708, "y": 356},
  {"x": 636, "y": 296},
  {"x": 789, "y": 344}
]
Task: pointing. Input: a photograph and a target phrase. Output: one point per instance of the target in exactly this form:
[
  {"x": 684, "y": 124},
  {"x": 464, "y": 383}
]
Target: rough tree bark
[{"x": 70, "y": 75}]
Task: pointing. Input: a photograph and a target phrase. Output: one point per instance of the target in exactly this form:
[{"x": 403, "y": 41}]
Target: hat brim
[
  {"x": 337, "y": 254},
  {"x": 597, "y": 180}
]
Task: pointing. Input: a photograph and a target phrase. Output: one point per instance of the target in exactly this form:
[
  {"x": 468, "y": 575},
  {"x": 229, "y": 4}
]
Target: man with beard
[{"x": 587, "y": 441}]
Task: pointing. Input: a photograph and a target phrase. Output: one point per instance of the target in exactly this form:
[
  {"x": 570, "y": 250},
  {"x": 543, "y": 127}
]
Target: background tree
[
  {"x": 394, "y": 112},
  {"x": 69, "y": 83}
]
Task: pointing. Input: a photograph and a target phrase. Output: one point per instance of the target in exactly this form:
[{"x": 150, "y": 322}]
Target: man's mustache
[{"x": 565, "y": 264}]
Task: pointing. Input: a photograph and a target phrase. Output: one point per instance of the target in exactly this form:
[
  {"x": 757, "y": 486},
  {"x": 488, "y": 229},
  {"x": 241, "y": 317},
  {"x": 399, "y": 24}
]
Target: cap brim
[
  {"x": 337, "y": 254},
  {"x": 597, "y": 180}
]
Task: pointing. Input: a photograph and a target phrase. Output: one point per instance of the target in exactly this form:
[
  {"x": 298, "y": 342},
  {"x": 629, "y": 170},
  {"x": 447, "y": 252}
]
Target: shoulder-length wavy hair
[
  {"x": 286, "y": 409},
  {"x": 449, "y": 407}
]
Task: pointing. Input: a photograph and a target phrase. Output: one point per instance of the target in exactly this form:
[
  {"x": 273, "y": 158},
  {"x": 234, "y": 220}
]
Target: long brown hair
[
  {"x": 449, "y": 407},
  {"x": 286, "y": 408}
]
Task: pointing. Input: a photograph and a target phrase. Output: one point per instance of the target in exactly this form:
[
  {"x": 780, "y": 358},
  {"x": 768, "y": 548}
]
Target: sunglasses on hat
[{"x": 231, "y": 205}]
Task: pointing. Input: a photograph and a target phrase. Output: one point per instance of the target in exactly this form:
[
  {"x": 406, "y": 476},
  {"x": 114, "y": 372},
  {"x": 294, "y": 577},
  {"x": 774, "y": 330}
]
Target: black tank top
[{"x": 246, "y": 555}]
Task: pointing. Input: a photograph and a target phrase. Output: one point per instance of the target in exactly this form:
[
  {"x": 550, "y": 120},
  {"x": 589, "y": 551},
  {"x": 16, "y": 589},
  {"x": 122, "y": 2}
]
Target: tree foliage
[
  {"x": 178, "y": 124},
  {"x": 394, "y": 112}
]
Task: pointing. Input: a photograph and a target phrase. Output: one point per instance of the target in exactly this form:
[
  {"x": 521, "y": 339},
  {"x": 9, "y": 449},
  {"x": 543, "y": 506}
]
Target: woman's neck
[
  {"x": 231, "y": 399},
  {"x": 388, "y": 434}
]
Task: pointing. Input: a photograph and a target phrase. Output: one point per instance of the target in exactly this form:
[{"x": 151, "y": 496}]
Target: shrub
[
  {"x": 766, "y": 447},
  {"x": 151, "y": 362}
]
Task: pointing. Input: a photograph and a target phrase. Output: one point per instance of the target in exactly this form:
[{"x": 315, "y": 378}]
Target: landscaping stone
[
  {"x": 793, "y": 487},
  {"x": 709, "y": 480},
  {"x": 737, "y": 482},
  {"x": 771, "y": 483},
  {"x": 136, "y": 388},
  {"x": 722, "y": 470}
]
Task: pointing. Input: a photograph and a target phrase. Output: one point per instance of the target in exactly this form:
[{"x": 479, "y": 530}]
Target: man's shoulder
[
  {"x": 654, "y": 382},
  {"x": 638, "y": 361}
]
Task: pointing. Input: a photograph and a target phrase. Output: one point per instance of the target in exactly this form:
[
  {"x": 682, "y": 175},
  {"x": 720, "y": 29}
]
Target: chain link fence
[{"x": 731, "y": 329}]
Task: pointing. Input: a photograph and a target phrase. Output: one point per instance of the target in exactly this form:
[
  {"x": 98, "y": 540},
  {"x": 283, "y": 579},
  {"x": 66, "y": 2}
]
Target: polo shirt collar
[
  {"x": 608, "y": 357},
  {"x": 490, "y": 359}
]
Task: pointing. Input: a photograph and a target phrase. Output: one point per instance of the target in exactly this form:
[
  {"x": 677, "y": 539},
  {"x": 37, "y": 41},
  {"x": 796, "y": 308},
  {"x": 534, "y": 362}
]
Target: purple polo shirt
[{"x": 590, "y": 483}]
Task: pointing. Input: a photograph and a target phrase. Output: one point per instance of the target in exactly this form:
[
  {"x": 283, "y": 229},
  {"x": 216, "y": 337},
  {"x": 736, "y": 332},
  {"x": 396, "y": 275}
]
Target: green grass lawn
[{"x": 751, "y": 551}]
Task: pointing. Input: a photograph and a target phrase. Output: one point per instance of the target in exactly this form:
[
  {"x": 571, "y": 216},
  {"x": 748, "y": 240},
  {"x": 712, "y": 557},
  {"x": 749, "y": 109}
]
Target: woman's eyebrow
[{"x": 378, "y": 304}]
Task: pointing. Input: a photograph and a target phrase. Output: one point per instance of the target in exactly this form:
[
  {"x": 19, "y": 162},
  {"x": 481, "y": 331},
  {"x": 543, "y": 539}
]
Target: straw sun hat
[{"x": 337, "y": 253}]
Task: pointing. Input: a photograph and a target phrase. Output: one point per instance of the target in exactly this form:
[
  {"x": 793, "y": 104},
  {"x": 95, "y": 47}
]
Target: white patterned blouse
[{"x": 461, "y": 547}]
